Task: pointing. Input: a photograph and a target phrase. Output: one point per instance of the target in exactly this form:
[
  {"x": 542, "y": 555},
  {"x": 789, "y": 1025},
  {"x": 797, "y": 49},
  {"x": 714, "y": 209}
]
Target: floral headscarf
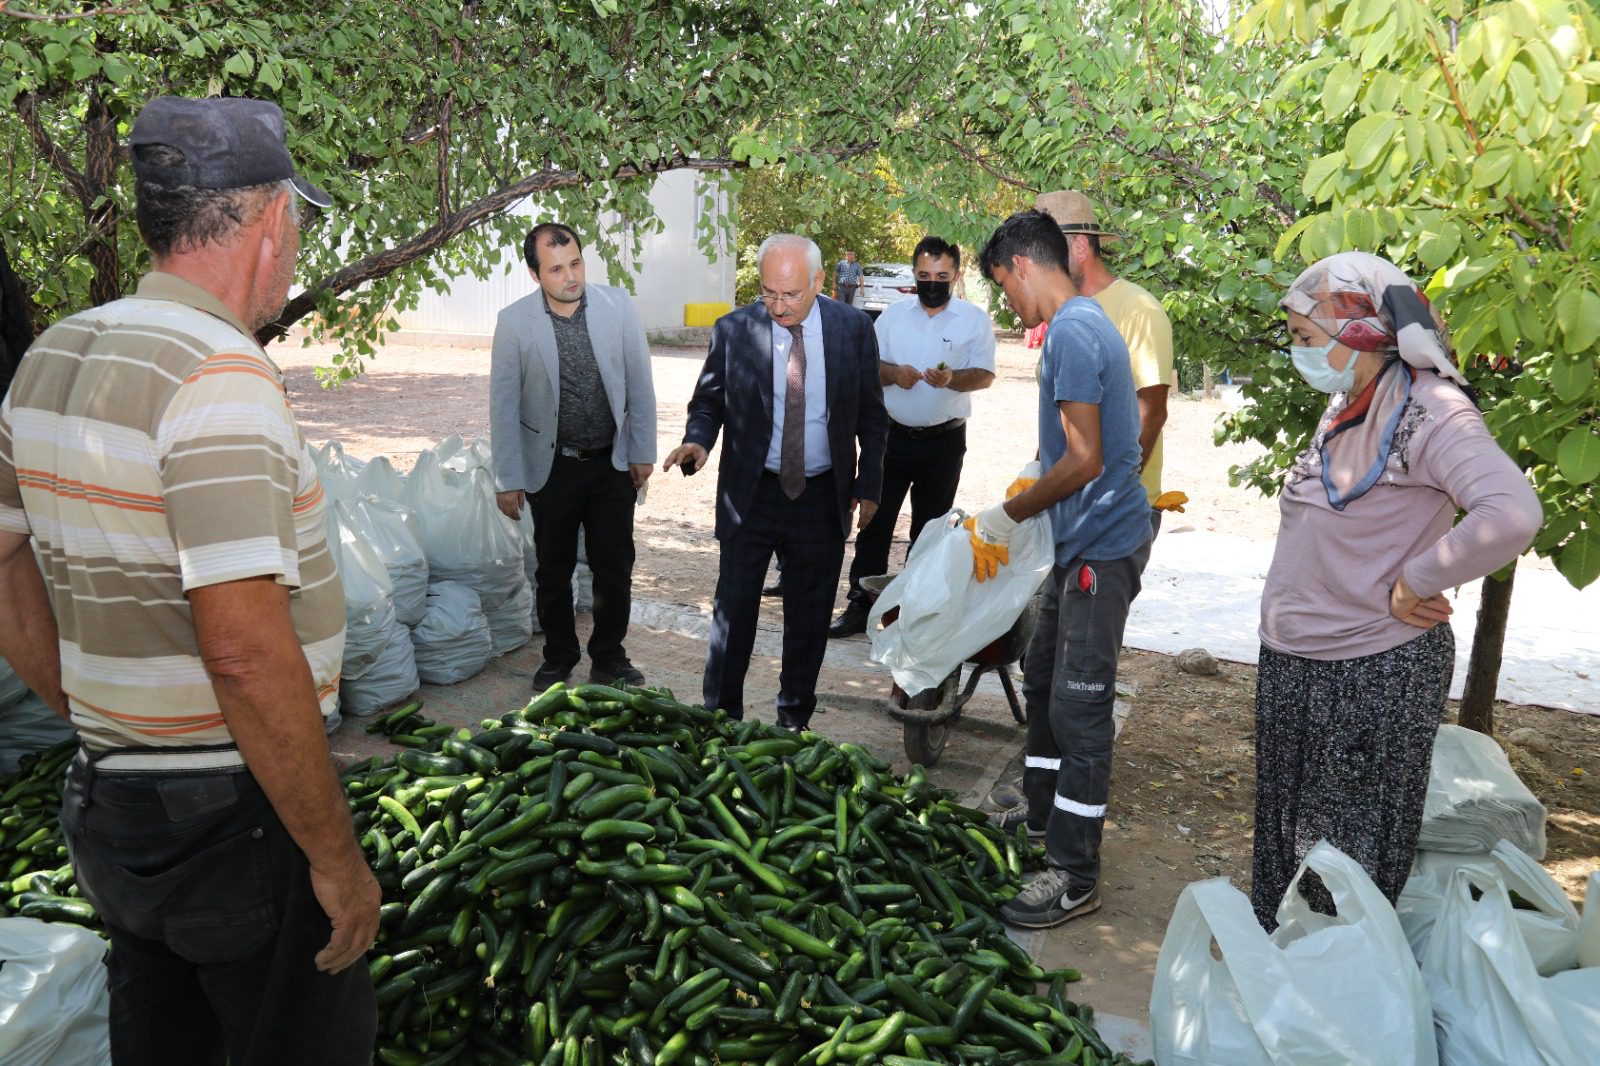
[{"x": 1368, "y": 304}]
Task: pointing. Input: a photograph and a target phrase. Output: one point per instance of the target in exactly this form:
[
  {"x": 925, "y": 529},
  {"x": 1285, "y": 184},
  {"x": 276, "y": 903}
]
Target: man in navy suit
[{"x": 791, "y": 382}]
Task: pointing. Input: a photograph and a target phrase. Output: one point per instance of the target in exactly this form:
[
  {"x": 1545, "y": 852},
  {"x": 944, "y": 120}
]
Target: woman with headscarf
[{"x": 1356, "y": 647}]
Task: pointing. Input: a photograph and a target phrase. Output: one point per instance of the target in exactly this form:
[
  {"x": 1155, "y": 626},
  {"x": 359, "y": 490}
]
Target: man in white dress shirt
[{"x": 933, "y": 352}]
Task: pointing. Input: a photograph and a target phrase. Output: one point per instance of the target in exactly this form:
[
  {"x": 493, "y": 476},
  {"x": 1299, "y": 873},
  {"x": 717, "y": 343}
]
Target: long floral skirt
[{"x": 1342, "y": 753}]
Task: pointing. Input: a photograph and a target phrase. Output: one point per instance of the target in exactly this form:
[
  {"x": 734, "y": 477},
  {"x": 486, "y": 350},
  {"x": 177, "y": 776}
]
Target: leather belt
[
  {"x": 163, "y": 761},
  {"x": 583, "y": 454},
  {"x": 918, "y": 432}
]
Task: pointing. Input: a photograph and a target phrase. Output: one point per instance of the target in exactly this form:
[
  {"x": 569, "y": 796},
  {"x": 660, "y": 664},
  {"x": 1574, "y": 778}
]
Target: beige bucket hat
[{"x": 1073, "y": 212}]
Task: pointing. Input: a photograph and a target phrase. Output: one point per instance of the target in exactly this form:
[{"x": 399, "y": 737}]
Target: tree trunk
[
  {"x": 100, "y": 173},
  {"x": 1205, "y": 379},
  {"x": 1483, "y": 669}
]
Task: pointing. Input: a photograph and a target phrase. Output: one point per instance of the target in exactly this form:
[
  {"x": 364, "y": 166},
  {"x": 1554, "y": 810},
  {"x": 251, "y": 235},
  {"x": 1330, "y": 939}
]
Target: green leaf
[
  {"x": 1369, "y": 138},
  {"x": 1579, "y": 559},
  {"x": 1321, "y": 176},
  {"x": 1578, "y": 456},
  {"x": 1578, "y": 313},
  {"x": 1572, "y": 376},
  {"x": 1492, "y": 165},
  {"x": 1437, "y": 245},
  {"x": 1339, "y": 90}
]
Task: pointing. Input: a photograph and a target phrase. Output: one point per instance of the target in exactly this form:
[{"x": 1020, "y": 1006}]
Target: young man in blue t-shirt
[{"x": 1089, "y": 456}]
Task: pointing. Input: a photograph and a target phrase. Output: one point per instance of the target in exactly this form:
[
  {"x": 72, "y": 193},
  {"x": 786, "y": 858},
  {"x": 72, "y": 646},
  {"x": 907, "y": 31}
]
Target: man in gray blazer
[{"x": 572, "y": 425}]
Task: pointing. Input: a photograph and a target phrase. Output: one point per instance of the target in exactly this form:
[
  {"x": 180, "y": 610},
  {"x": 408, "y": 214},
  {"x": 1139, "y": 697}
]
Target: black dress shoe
[
  {"x": 774, "y": 589},
  {"x": 852, "y": 620}
]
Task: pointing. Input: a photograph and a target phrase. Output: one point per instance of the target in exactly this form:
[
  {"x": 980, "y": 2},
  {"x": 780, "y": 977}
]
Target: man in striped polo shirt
[{"x": 190, "y": 621}]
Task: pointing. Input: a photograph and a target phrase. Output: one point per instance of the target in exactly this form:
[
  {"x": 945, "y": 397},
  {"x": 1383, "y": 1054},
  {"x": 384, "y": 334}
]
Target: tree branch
[
  {"x": 28, "y": 109},
  {"x": 382, "y": 263}
]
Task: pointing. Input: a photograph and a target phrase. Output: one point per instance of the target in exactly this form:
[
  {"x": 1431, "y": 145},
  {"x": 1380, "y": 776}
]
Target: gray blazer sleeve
[
  {"x": 505, "y": 405},
  {"x": 641, "y": 388}
]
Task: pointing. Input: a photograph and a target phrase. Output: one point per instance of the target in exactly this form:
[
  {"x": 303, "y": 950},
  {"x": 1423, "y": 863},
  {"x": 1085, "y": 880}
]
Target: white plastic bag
[
  {"x": 379, "y": 478},
  {"x": 462, "y": 532},
  {"x": 1548, "y": 925},
  {"x": 511, "y": 623},
  {"x": 391, "y": 679},
  {"x": 12, "y": 689},
  {"x": 382, "y": 526},
  {"x": 29, "y": 725},
  {"x": 336, "y": 470},
  {"x": 1319, "y": 991},
  {"x": 368, "y": 594},
  {"x": 1476, "y": 799},
  {"x": 54, "y": 1005},
  {"x": 452, "y": 642},
  {"x": 946, "y": 614},
  {"x": 1491, "y": 1007}
]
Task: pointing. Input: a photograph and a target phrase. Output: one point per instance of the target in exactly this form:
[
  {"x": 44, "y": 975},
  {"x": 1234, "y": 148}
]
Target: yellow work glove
[
  {"x": 990, "y": 532},
  {"x": 1025, "y": 480},
  {"x": 1170, "y": 501}
]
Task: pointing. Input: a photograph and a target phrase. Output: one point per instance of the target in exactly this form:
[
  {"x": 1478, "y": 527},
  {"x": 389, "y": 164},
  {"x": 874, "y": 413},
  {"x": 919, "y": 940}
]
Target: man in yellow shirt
[{"x": 1137, "y": 315}]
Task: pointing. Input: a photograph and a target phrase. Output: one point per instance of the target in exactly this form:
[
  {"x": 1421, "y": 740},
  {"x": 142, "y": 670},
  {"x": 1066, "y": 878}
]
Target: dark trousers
[
  {"x": 930, "y": 468},
  {"x": 807, "y": 532},
  {"x": 847, "y": 293},
  {"x": 593, "y": 495},
  {"x": 1069, "y": 683},
  {"x": 213, "y": 925}
]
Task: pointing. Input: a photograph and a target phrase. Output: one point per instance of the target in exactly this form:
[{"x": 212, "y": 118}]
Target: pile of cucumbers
[{"x": 609, "y": 875}]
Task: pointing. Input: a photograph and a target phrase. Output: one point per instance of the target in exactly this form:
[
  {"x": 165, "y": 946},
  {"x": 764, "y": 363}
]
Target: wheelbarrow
[{"x": 928, "y": 717}]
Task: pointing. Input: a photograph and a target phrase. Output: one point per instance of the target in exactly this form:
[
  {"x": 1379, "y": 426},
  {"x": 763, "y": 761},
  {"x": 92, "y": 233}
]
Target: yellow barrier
[{"x": 704, "y": 314}]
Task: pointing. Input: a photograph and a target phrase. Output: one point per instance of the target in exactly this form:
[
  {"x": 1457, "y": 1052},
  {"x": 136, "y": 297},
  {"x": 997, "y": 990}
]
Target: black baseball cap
[{"x": 226, "y": 143}]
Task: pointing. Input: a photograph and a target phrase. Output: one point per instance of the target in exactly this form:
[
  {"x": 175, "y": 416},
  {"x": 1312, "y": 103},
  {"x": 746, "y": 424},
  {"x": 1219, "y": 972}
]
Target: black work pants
[
  {"x": 593, "y": 495},
  {"x": 929, "y": 468},
  {"x": 1069, "y": 683},
  {"x": 213, "y": 925},
  {"x": 807, "y": 532}
]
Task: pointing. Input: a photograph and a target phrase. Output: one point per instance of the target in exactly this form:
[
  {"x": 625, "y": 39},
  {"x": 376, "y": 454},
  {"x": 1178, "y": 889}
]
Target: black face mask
[{"x": 933, "y": 293}]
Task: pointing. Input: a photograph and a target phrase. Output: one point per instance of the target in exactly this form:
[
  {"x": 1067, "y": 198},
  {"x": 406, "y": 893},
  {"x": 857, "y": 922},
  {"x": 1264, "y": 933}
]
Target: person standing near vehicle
[
  {"x": 572, "y": 429},
  {"x": 933, "y": 353},
  {"x": 847, "y": 279},
  {"x": 1089, "y": 455},
  {"x": 1138, "y": 316},
  {"x": 190, "y": 622},
  {"x": 791, "y": 385}
]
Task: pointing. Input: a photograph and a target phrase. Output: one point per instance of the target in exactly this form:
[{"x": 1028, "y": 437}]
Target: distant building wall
[{"x": 669, "y": 271}]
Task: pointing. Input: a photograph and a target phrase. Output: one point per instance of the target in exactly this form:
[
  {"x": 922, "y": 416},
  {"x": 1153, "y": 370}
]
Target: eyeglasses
[{"x": 770, "y": 298}]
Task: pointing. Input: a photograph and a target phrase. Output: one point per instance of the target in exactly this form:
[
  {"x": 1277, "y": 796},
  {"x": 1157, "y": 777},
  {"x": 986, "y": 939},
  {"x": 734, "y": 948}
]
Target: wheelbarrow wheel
[
  {"x": 925, "y": 738},
  {"x": 925, "y": 742}
]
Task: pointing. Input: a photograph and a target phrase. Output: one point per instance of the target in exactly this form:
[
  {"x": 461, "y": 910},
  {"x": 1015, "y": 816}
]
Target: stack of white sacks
[
  {"x": 1512, "y": 968},
  {"x": 437, "y": 580},
  {"x": 1482, "y": 962}
]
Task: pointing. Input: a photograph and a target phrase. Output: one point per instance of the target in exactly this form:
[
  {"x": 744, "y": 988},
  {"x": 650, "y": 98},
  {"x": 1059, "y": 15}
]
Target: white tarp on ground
[{"x": 1204, "y": 590}]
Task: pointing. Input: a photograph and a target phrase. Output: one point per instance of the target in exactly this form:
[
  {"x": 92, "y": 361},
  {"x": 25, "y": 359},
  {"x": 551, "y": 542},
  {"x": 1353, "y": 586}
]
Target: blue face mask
[{"x": 1313, "y": 365}]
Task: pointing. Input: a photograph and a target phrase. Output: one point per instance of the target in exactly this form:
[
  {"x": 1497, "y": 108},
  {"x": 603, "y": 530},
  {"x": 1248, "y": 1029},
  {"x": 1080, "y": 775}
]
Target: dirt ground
[{"x": 1182, "y": 791}]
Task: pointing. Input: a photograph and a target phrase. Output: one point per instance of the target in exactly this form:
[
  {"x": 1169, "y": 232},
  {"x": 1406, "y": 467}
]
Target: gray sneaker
[
  {"x": 1011, "y": 817},
  {"x": 1048, "y": 900}
]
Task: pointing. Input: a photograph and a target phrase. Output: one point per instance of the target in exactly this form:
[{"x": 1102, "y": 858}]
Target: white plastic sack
[
  {"x": 946, "y": 614},
  {"x": 391, "y": 679},
  {"x": 511, "y": 623},
  {"x": 462, "y": 532},
  {"x": 26, "y": 726},
  {"x": 1548, "y": 924},
  {"x": 452, "y": 642},
  {"x": 1319, "y": 991},
  {"x": 336, "y": 470},
  {"x": 382, "y": 526},
  {"x": 1491, "y": 1007},
  {"x": 368, "y": 594},
  {"x": 582, "y": 579},
  {"x": 530, "y": 563},
  {"x": 1475, "y": 799},
  {"x": 12, "y": 688},
  {"x": 54, "y": 1007},
  {"x": 379, "y": 478}
]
